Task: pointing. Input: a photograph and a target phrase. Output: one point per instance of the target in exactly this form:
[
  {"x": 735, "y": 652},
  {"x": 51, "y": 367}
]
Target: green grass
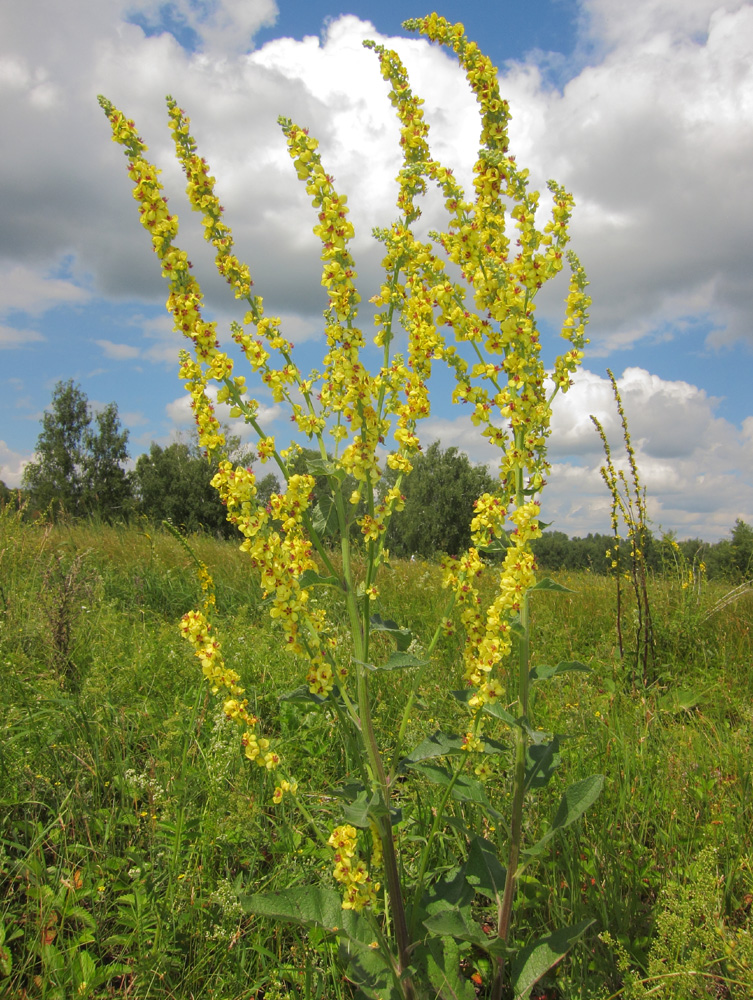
[{"x": 129, "y": 818}]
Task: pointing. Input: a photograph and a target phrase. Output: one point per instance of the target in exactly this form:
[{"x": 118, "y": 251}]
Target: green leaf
[
  {"x": 681, "y": 700},
  {"x": 302, "y": 694},
  {"x": 492, "y": 708},
  {"x": 483, "y": 870},
  {"x": 547, "y": 584},
  {"x": 464, "y": 789},
  {"x": 398, "y": 661},
  {"x": 458, "y": 924},
  {"x": 495, "y": 546},
  {"x": 438, "y": 745},
  {"x": 402, "y": 636},
  {"x": 517, "y": 629},
  {"x": 308, "y": 906},
  {"x": 541, "y": 763},
  {"x": 575, "y": 801},
  {"x": 451, "y": 892},
  {"x": 6, "y": 958},
  {"x": 309, "y": 578},
  {"x": 538, "y": 958},
  {"x": 325, "y": 467},
  {"x": 442, "y": 962},
  {"x": 357, "y": 812},
  {"x": 542, "y": 672},
  {"x": 444, "y": 745},
  {"x": 368, "y": 968},
  {"x": 324, "y": 517}
]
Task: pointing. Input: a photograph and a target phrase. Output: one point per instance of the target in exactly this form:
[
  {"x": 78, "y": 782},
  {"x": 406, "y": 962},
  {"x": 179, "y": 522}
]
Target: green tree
[
  {"x": 175, "y": 484},
  {"x": 439, "y": 498},
  {"x": 79, "y": 469},
  {"x": 742, "y": 548},
  {"x": 108, "y": 488}
]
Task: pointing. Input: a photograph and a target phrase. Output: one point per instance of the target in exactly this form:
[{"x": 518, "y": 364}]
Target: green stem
[
  {"x": 373, "y": 756},
  {"x": 519, "y": 773}
]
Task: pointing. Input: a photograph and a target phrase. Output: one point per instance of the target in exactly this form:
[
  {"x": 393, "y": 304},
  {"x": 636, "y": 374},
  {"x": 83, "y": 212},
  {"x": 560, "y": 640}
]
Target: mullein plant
[
  {"x": 628, "y": 510},
  {"x": 404, "y": 931}
]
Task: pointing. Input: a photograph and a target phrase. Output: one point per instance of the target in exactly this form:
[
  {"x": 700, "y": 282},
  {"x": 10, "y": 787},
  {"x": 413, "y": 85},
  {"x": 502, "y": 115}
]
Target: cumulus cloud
[
  {"x": 692, "y": 463},
  {"x": 118, "y": 352},
  {"x": 25, "y": 289},
  {"x": 12, "y": 465},
  {"x": 222, "y": 26},
  {"x": 653, "y": 132},
  {"x": 655, "y": 139},
  {"x": 13, "y": 338}
]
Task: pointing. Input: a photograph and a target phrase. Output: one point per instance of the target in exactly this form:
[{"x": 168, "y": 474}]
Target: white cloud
[
  {"x": 13, "y": 338},
  {"x": 180, "y": 416},
  {"x": 118, "y": 352},
  {"x": 654, "y": 134},
  {"x": 222, "y": 26},
  {"x": 12, "y": 465},
  {"x": 617, "y": 23},
  {"x": 25, "y": 289},
  {"x": 655, "y": 138},
  {"x": 692, "y": 463}
]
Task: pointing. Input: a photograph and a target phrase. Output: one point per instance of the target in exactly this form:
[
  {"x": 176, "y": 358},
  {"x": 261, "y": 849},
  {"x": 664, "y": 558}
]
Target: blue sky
[{"x": 642, "y": 110}]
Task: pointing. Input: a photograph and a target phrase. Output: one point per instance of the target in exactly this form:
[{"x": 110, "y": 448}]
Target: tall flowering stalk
[
  {"x": 481, "y": 325},
  {"x": 628, "y": 507}
]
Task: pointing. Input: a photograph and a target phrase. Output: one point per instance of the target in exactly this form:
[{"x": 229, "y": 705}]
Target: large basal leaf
[
  {"x": 308, "y": 906},
  {"x": 459, "y": 924},
  {"x": 537, "y": 959},
  {"x": 483, "y": 870},
  {"x": 542, "y": 672},
  {"x": 574, "y": 802},
  {"x": 368, "y": 968},
  {"x": 443, "y": 957}
]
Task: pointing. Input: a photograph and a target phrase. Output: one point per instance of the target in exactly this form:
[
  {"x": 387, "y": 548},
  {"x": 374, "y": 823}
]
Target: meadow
[{"x": 131, "y": 824}]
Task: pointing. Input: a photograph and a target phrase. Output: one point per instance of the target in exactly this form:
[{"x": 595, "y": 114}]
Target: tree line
[{"x": 80, "y": 470}]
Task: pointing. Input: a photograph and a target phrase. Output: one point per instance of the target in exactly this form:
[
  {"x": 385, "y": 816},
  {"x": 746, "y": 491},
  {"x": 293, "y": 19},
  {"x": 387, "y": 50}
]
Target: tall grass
[{"x": 129, "y": 818}]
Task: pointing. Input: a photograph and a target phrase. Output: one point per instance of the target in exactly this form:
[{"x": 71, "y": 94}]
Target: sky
[{"x": 643, "y": 110}]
